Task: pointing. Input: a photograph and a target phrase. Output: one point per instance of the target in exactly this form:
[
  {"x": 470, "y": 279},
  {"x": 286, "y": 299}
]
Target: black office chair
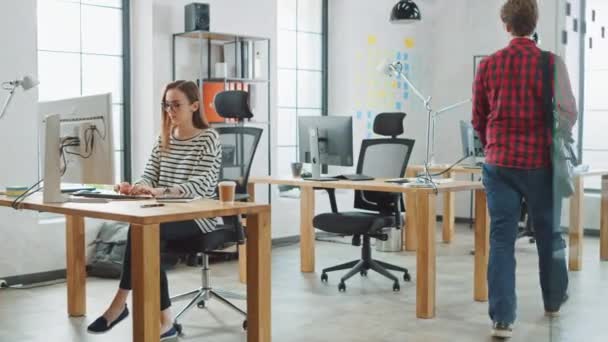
[
  {"x": 525, "y": 229},
  {"x": 379, "y": 158},
  {"x": 239, "y": 145}
]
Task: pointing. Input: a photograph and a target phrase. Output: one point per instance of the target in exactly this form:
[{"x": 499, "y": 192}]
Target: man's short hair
[{"x": 521, "y": 16}]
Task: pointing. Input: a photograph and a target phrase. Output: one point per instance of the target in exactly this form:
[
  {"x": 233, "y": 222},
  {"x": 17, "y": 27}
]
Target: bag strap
[{"x": 545, "y": 61}]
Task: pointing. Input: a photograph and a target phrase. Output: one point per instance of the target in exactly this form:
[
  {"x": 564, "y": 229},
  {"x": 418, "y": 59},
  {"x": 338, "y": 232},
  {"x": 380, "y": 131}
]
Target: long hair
[{"x": 191, "y": 91}]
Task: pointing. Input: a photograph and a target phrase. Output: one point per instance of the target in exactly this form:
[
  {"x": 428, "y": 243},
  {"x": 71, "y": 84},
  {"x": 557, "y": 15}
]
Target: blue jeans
[{"x": 505, "y": 188}]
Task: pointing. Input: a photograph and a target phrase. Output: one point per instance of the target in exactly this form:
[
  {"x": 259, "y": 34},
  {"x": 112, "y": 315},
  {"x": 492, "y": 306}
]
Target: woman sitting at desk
[{"x": 185, "y": 160}]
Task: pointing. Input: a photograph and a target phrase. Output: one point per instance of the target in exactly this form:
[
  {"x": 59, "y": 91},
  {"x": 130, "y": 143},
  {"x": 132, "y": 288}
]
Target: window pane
[
  {"x": 287, "y": 14},
  {"x": 118, "y": 167},
  {"x": 309, "y": 112},
  {"x": 595, "y": 160},
  {"x": 287, "y": 88},
  {"x": 595, "y": 94},
  {"x": 286, "y": 127},
  {"x": 287, "y": 49},
  {"x": 310, "y": 15},
  {"x": 594, "y": 130},
  {"x": 286, "y": 156},
  {"x": 309, "y": 89},
  {"x": 102, "y": 74},
  {"x": 310, "y": 51},
  {"x": 59, "y": 75},
  {"x": 101, "y": 30},
  {"x": 117, "y": 124},
  {"x": 108, "y": 3},
  {"x": 58, "y": 26}
]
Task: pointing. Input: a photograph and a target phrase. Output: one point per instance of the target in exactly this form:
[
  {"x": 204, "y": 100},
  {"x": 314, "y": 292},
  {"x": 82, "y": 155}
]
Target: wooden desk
[
  {"x": 575, "y": 256},
  {"x": 448, "y": 217},
  {"x": 575, "y": 227},
  {"x": 146, "y": 255},
  {"x": 426, "y": 223}
]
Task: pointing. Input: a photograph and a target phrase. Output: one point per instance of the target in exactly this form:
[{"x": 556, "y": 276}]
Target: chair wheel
[
  {"x": 201, "y": 304},
  {"x": 178, "y": 327},
  {"x": 342, "y": 287},
  {"x": 245, "y": 325},
  {"x": 324, "y": 277},
  {"x": 407, "y": 277},
  {"x": 363, "y": 273},
  {"x": 396, "y": 287}
]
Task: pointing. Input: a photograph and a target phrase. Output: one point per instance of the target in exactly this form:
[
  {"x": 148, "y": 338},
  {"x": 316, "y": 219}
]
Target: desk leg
[
  {"x": 482, "y": 247},
  {"x": 145, "y": 275},
  {"x": 76, "y": 266},
  {"x": 448, "y": 213},
  {"x": 258, "y": 278},
  {"x": 307, "y": 231},
  {"x": 243, "y": 248},
  {"x": 576, "y": 226},
  {"x": 410, "y": 238},
  {"x": 604, "y": 220},
  {"x": 425, "y": 255}
]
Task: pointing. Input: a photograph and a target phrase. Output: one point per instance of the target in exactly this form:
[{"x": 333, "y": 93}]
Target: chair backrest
[
  {"x": 383, "y": 158},
  {"x": 239, "y": 145},
  {"x": 233, "y": 104}
]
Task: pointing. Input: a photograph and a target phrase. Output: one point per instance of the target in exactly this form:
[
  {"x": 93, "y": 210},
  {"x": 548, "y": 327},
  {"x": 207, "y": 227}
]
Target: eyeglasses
[{"x": 170, "y": 106}]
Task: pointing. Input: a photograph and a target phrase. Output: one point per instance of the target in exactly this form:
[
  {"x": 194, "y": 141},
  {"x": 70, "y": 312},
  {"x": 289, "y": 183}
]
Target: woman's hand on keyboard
[
  {"x": 123, "y": 188},
  {"x": 139, "y": 189}
]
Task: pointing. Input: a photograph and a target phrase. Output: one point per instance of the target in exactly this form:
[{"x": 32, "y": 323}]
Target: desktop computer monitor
[
  {"x": 325, "y": 140},
  {"x": 471, "y": 145},
  {"x": 75, "y": 143}
]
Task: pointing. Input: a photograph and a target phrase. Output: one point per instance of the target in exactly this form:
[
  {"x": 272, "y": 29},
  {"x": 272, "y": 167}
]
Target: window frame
[{"x": 125, "y": 149}]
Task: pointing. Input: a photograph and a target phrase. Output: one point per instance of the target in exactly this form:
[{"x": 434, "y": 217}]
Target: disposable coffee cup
[
  {"x": 226, "y": 190},
  {"x": 296, "y": 169}
]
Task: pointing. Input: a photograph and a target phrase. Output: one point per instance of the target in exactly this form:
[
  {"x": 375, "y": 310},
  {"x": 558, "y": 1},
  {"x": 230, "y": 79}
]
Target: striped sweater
[{"x": 191, "y": 165}]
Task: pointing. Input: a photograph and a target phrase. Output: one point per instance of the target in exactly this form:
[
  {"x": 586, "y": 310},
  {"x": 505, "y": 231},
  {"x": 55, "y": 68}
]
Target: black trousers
[{"x": 173, "y": 231}]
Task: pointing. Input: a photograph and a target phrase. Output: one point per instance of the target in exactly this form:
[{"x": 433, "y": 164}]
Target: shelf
[
  {"x": 220, "y": 37},
  {"x": 235, "y": 79}
]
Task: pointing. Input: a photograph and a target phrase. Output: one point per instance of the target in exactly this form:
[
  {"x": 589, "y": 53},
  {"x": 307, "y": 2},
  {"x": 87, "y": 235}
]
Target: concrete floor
[{"x": 304, "y": 309}]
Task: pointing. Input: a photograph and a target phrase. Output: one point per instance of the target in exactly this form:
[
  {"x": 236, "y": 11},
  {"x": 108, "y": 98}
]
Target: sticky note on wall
[
  {"x": 409, "y": 43},
  {"x": 371, "y": 39}
]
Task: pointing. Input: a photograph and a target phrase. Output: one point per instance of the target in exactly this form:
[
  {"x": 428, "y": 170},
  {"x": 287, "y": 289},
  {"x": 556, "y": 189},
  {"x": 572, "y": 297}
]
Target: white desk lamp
[
  {"x": 395, "y": 69},
  {"x": 27, "y": 83}
]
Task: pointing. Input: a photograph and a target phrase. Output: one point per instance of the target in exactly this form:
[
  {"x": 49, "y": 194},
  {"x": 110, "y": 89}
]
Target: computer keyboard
[
  {"x": 105, "y": 195},
  {"x": 356, "y": 177}
]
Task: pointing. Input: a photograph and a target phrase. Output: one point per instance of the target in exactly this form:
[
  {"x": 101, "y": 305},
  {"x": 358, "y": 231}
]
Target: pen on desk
[{"x": 152, "y": 205}]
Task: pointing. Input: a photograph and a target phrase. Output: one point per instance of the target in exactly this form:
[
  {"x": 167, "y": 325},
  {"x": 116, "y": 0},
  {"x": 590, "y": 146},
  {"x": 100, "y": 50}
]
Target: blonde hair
[
  {"x": 190, "y": 89},
  {"x": 521, "y": 16}
]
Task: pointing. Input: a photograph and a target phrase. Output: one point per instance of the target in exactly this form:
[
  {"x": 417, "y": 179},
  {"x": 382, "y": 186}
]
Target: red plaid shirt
[{"x": 508, "y": 111}]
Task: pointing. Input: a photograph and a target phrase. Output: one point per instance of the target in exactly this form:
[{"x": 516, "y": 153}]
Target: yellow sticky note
[
  {"x": 371, "y": 39},
  {"x": 409, "y": 43},
  {"x": 394, "y": 84}
]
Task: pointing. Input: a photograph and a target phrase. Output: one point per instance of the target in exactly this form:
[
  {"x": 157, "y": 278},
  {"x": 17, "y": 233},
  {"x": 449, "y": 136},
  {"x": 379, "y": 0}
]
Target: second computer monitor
[
  {"x": 335, "y": 139},
  {"x": 471, "y": 145}
]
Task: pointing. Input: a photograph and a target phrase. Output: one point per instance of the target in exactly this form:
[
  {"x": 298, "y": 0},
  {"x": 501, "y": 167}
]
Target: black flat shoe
[{"x": 100, "y": 325}]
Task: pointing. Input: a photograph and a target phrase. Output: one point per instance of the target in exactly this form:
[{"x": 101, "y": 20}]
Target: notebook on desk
[{"x": 350, "y": 177}]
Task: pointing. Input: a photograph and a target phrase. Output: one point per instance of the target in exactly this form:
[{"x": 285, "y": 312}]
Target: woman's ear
[{"x": 195, "y": 106}]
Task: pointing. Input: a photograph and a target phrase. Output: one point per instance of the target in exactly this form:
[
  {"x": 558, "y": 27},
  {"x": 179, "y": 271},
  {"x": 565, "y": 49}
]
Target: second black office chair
[{"x": 378, "y": 158}]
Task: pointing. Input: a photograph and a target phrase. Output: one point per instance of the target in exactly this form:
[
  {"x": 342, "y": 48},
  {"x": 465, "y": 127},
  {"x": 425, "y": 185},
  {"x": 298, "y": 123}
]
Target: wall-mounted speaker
[{"x": 197, "y": 17}]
